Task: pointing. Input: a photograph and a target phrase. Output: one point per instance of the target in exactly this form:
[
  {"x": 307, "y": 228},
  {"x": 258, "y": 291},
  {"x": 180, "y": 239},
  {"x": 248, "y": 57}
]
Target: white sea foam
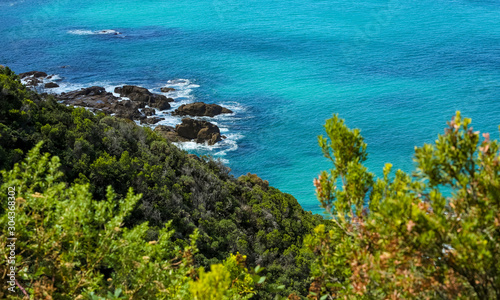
[
  {"x": 183, "y": 90},
  {"x": 90, "y": 32},
  {"x": 234, "y": 106},
  {"x": 11, "y": 3},
  {"x": 230, "y": 143},
  {"x": 81, "y": 32}
]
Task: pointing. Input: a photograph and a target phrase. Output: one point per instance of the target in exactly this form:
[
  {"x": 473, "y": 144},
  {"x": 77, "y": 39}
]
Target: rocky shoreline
[{"x": 139, "y": 104}]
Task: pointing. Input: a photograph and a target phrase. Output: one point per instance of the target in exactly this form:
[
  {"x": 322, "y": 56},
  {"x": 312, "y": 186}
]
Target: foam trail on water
[{"x": 96, "y": 32}]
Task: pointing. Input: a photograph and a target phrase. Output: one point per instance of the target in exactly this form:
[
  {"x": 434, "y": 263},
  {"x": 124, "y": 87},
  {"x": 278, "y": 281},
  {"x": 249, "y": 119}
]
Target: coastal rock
[
  {"x": 201, "y": 131},
  {"x": 93, "y": 91},
  {"x": 140, "y": 94},
  {"x": 32, "y": 81},
  {"x": 121, "y": 110},
  {"x": 94, "y": 97},
  {"x": 35, "y": 74},
  {"x": 148, "y": 111},
  {"x": 167, "y": 89},
  {"x": 50, "y": 85},
  {"x": 97, "y": 97},
  {"x": 201, "y": 109},
  {"x": 151, "y": 121},
  {"x": 161, "y": 104},
  {"x": 189, "y": 129},
  {"x": 169, "y": 133}
]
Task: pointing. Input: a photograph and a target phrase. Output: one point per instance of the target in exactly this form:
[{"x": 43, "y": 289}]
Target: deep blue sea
[{"x": 396, "y": 69}]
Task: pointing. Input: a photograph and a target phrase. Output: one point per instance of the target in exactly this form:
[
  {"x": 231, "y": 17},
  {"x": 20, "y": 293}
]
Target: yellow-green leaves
[{"x": 229, "y": 280}]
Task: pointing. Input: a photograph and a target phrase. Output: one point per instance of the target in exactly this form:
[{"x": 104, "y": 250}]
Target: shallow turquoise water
[{"x": 398, "y": 70}]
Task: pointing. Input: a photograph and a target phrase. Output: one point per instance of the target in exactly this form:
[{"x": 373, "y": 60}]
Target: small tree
[{"x": 433, "y": 235}]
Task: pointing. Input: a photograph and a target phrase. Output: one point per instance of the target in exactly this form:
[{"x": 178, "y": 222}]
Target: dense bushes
[
  {"x": 231, "y": 215},
  {"x": 70, "y": 246}
]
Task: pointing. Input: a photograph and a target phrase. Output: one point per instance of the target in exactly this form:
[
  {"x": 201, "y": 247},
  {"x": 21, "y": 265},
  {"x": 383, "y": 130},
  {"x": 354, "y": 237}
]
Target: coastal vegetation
[
  {"x": 192, "y": 194},
  {"x": 106, "y": 209}
]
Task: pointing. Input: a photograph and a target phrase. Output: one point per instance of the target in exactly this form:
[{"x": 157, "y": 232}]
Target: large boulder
[
  {"x": 50, "y": 85},
  {"x": 189, "y": 129},
  {"x": 201, "y": 131},
  {"x": 201, "y": 109}
]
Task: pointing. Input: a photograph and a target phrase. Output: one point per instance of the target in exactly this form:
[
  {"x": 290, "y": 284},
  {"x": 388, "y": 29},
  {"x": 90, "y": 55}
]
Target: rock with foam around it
[
  {"x": 201, "y": 109},
  {"x": 200, "y": 131}
]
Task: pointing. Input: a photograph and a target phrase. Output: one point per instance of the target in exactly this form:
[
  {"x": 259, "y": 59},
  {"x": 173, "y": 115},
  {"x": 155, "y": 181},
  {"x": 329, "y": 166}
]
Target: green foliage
[
  {"x": 230, "y": 214},
  {"x": 73, "y": 247},
  {"x": 229, "y": 280},
  {"x": 408, "y": 237}
]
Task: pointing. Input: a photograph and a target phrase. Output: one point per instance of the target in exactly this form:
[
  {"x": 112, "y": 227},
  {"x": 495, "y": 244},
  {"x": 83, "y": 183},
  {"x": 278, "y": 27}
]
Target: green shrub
[{"x": 434, "y": 235}]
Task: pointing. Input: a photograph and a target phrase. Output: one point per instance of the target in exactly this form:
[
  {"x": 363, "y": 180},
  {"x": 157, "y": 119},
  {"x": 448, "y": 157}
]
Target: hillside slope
[{"x": 242, "y": 214}]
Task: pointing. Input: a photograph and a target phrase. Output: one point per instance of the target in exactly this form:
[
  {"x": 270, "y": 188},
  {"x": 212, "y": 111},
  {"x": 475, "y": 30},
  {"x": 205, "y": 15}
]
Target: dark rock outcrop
[
  {"x": 98, "y": 98},
  {"x": 189, "y": 129},
  {"x": 167, "y": 89},
  {"x": 151, "y": 121},
  {"x": 148, "y": 111},
  {"x": 140, "y": 94},
  {"x": 201, "y": 131},
  {"x": 32, "y": 81},
  {"x": 33, "y": 78},
  {"x": 201, "y": 109},
  {"x": 124, "y": 110},
  {"x": 50, "y": 85},
  {"x": 87, "y": 97},
  {"x": 161, "y": 104},
  {"x": 169, "y": 133},
  {"x": 35, "y": 74}
]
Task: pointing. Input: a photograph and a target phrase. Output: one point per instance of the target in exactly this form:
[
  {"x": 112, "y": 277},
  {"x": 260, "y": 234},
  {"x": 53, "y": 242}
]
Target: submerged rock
[{"x": 167, "y": 89}]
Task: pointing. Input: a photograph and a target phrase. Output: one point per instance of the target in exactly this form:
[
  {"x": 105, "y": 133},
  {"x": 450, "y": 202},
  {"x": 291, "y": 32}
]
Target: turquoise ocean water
[{"x": 398, "y": 70}]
